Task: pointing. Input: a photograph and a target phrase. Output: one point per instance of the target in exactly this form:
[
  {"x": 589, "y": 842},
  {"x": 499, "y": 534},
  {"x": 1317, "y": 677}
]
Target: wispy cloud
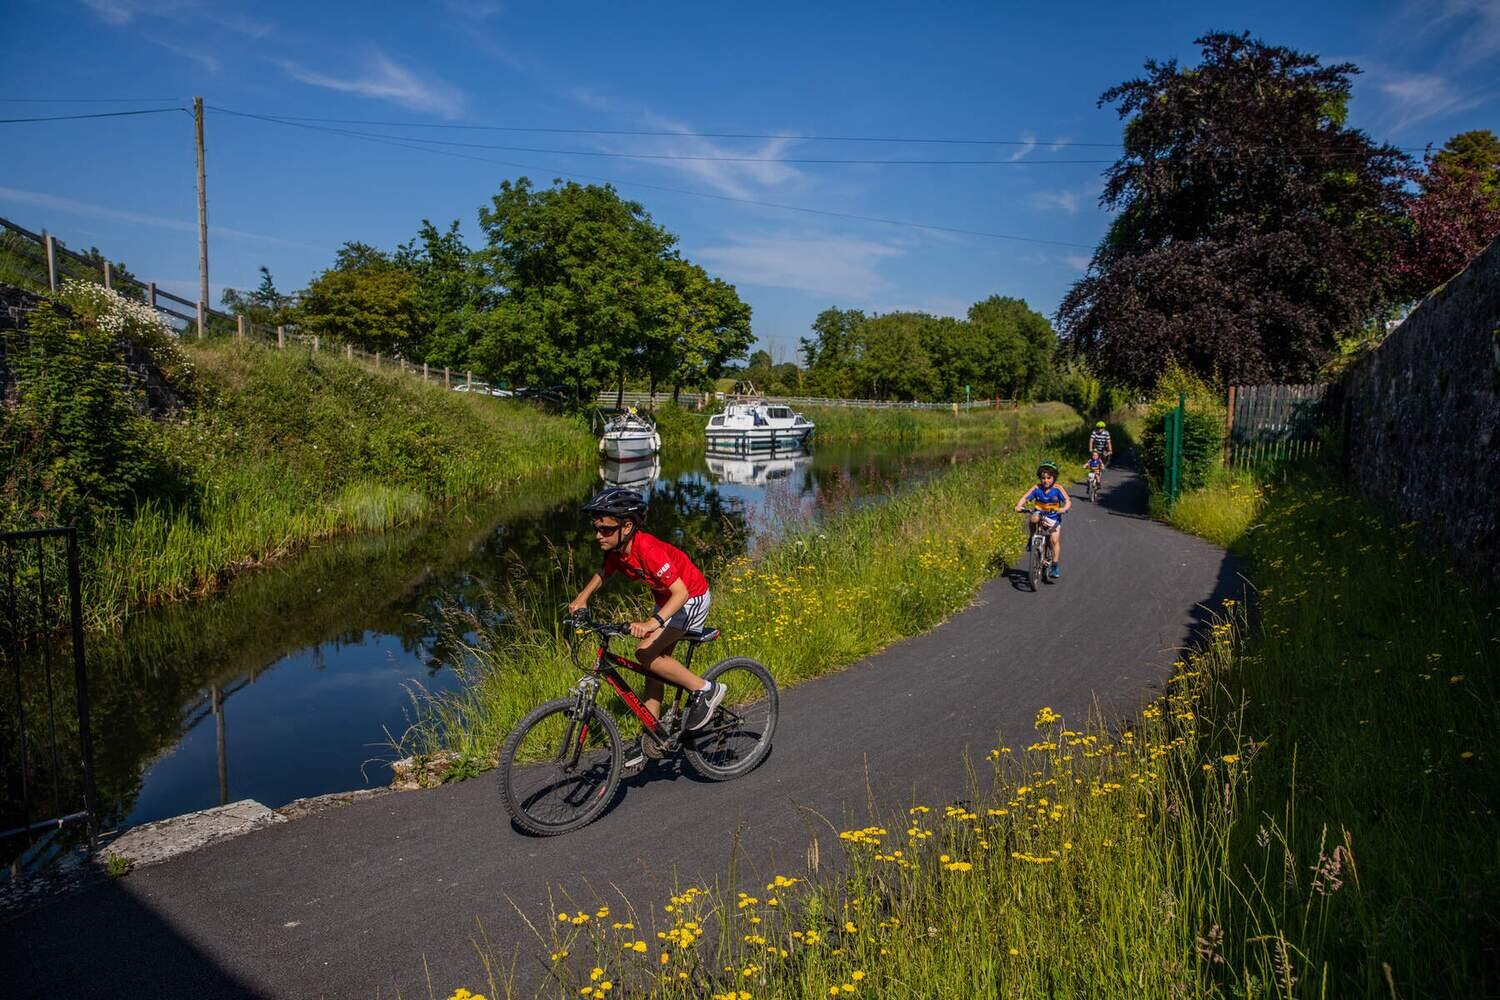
[
  {"x": 1076, "y": 262},
  {"x": 386, "y": 80},
  {"x": 203, "y": 59},
  {"x": 1477, "y": 33},
  {"x": 474, "y": 10},
  {"x": 1409, "y": 98},
  {"x": 123, "y": 12},
  {"x": 1059, "y": 144},
  {"x": 737, "y": 178},
  {"x": 55, "y": 203},
  {"x": 843, "y": 267},
  {"x": 1066, "y": 201},
  {"x": 1029, "y": 144}
]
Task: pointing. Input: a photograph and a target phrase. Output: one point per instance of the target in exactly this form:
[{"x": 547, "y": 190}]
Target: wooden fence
[
  {"x": 1273, "y": 423},
  {"x": 40, "y": 261}
]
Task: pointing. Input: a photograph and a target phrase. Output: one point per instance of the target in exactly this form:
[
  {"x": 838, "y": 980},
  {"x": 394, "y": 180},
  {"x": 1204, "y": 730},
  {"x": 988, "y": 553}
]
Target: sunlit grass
[
  {"x": 1222, "y": 510},
  {"x": 285, "y": 448},
  {"x": 1309, "y": 810}
]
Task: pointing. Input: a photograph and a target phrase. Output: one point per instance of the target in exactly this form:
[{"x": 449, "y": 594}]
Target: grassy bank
[
  {"x": 848, "y": 586},
  {"x": 684, "y": 428},
  {"x": 283, "y": 448},
  {"x": 1308, "y": 811}
]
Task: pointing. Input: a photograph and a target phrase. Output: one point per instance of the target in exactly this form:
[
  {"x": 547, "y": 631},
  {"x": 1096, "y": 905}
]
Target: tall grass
[
  {"x": 285, "y": 448},
  {"x": 1308, "y": 811}
]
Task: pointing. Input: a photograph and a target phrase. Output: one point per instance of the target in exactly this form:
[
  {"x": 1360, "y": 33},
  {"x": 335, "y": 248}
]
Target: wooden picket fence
[{"x": 1270, "y": 424}]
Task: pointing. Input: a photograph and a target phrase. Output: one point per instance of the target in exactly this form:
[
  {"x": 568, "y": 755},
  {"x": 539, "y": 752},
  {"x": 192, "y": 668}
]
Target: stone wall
[{"x": 1422, "y": 416}]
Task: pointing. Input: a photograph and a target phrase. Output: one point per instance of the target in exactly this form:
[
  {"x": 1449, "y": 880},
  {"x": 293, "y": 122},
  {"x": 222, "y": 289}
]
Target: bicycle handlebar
[{"x": 583, "y": 619}]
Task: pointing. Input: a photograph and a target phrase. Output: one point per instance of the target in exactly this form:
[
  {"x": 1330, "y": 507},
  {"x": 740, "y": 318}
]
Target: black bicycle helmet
[{"x": 617, "y": 501}]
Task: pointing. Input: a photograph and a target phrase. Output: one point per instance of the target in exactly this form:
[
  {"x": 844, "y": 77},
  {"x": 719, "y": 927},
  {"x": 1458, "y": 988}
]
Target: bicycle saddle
[{"x": 700, "y": 634}]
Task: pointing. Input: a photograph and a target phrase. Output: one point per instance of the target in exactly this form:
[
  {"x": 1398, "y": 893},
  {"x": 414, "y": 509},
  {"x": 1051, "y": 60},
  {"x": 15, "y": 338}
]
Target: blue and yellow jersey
[
  {"x": 1095, "y": 464},
  {"x": 1050, "y": 500}
]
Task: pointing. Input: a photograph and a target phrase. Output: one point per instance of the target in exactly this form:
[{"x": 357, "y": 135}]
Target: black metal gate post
[{"x": 81, "y": 687}]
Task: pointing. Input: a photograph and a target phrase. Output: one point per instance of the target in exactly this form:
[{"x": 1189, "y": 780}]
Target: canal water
[{"x": 299, "y": 679}]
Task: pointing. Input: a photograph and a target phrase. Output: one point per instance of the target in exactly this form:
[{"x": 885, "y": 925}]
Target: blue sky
[{"x": 287, "y": 197}]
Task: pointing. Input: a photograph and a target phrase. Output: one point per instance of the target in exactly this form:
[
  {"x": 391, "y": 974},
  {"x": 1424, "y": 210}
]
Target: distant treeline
[{"x": 578, "y": 288}]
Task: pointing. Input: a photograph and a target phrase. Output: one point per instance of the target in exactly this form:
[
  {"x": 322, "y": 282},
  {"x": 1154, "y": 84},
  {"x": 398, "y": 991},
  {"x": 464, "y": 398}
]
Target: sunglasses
[{"x": 607, "y": 529}]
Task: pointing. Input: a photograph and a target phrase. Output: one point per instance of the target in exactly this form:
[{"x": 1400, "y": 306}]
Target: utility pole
[{"x": 202, "y": 217}]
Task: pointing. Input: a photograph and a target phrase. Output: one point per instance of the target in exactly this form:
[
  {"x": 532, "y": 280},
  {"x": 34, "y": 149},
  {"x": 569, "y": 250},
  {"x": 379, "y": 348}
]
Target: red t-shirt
[{"x": 658, "y": 564}]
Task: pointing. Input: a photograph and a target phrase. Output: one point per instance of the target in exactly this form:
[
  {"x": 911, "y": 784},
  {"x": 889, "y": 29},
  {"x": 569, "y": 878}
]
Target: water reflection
[{"x": 294, "y": 682}]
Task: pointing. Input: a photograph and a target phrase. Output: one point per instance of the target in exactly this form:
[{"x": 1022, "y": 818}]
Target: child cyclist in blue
[
  {"x": 1095, "y": 467},
  {"x": 1049, "y": 502}
]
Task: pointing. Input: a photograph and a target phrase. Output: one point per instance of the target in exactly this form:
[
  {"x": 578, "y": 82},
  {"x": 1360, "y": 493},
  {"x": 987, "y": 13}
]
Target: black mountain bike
[{"x": 561, "y": 765}]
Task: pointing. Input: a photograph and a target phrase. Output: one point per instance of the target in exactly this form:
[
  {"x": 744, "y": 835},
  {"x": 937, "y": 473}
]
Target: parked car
[{"x": 483, "y": 388}]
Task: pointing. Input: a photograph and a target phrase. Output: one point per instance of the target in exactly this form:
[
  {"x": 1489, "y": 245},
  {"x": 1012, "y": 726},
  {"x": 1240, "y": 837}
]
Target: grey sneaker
[{"x": 702, "y": 704}]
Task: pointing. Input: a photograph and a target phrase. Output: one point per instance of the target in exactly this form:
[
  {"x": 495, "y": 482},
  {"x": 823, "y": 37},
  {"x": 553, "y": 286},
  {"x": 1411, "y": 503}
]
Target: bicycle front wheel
[
  {"x": 1035, "y": 578},
  {"x": 558, "y": 772},
  {"x": 738, "y": 736}
]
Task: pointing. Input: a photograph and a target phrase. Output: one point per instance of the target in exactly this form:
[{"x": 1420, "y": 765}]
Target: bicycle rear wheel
[
  {"x": 738, "y": 736},
  {"x": 557, "y": 773}
]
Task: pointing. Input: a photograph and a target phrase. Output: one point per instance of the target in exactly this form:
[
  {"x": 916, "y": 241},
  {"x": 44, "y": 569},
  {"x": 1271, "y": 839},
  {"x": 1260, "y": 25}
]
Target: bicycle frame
[{"x": 605, "y": 662}]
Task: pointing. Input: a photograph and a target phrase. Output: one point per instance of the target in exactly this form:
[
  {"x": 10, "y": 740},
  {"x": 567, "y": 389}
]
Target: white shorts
[{"x": 693, "y": 614}]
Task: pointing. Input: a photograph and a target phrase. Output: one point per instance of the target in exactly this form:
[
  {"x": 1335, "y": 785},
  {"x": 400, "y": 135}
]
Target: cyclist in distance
[
  {"x": 1099, "y": 441},
  {"x": 1049, "y": 502},
  {"x": 1095, "y": 465},
  {"x": 682, "y": 599}
]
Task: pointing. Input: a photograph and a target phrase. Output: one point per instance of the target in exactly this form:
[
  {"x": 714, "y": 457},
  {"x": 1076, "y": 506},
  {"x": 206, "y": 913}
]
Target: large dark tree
[{"x": 1254, "y": 227}]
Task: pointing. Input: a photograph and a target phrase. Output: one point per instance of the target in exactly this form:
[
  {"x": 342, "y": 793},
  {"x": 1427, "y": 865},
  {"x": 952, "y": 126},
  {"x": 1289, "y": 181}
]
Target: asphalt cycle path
[{"x": 350, "y": 902}]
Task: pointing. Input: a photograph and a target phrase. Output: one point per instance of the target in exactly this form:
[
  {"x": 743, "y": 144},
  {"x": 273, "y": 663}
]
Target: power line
[
  {"x": 690, "y": 157},
  {"x": 99, "y": 114},
  {"x": 679, "y": 134},
  {"x": 86, "y": 100},
  {"x": 828, "y": 213},
  {"x": 912, "y": 140}
]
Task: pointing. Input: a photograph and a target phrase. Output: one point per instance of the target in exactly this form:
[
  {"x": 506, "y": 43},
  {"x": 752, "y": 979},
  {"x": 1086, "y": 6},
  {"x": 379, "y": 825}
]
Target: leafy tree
[
  {"x": 582, "y": 282},
  {"x": 1476, "y": 152},
  {"x": 1253, "y": 227},
  {"x": 265, "y": 306},
  {"x": 367, "y": 299},
  {"x": 708, "y": 323},
  {"x": 831, "y": 353},
  {"x": 449, "y": 292},
  {"x": 1456, "y": 215},
  {"x": 1017, "y": 346}
]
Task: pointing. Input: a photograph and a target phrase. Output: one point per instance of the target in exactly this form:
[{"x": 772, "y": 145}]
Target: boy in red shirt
[{"x": 682, "y": 600}]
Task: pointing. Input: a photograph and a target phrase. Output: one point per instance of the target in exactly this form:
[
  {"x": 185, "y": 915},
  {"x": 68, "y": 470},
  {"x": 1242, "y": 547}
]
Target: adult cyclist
[
  {"x": 682, "y": 599},
  {"x": 1049, "y": 502},
  {"x": 1099, "y": 441}
]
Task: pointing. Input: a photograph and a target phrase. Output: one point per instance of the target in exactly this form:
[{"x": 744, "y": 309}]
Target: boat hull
[
  {"x": 628, "y": 446},
  {"x": 737, "y": 439}
]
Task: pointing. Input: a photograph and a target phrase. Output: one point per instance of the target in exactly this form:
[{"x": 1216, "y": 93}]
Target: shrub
[
  {"x": 78, "y": 449},
  {"x": 1202, "y": 429}
]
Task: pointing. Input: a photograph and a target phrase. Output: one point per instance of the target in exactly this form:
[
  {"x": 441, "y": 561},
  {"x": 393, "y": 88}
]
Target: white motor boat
[
  {"x": 637, "y": 474},
  {"x": 749, "y": 423},
  {"x": 629, "y": 436},
  {"x": 757, "y": 470}
]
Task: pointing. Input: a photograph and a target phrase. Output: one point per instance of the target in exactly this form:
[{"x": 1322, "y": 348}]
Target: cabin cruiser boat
[
  {"x": 757, "y": 470},
  {"x": 636, "y": 474},
  {"x": 749, "y": 423},
  {"x": 629, "y": 436}
]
